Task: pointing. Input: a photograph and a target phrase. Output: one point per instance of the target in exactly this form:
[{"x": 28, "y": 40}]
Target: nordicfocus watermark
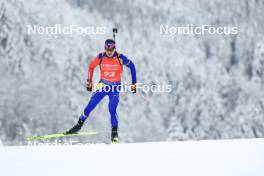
[
  {"x": 191, "y": 29},
  {"x": 125, "y": 87},
  {"x": 59, "y": 29},
  {"x": 68, "y": 143}
]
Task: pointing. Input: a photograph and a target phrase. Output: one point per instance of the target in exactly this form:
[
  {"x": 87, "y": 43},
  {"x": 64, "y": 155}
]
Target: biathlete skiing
[{"x": 111, "y": 67}]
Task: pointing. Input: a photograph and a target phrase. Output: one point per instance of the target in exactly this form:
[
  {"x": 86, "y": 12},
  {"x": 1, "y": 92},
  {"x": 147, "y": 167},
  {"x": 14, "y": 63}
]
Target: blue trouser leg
[
  {"x": 113, "y": 102},
  {"x": 95, "y": 99}
]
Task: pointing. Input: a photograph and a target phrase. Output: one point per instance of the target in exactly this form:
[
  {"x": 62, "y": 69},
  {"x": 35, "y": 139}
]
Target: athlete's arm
[
  {"x": 91, "y": 68},
  {"x": 127, "y": 62}
]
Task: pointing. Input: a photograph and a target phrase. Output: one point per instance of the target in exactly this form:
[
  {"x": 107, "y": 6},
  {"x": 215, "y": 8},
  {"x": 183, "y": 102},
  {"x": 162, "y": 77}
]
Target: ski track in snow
[{"x": 244, "y": 157}]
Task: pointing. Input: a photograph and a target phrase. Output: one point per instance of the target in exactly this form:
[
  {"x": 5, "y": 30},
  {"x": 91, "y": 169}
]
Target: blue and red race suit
[{"x": 111, "y": 69}]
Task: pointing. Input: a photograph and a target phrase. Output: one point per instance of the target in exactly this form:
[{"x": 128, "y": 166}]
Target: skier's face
[{"x": 110, "y": 52}]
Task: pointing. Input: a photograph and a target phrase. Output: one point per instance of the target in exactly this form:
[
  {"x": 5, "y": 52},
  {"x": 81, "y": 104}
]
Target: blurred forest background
[{"x": 217, "y": 80}]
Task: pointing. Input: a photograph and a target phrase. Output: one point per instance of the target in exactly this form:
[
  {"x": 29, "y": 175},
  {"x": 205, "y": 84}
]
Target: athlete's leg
[
  {"x": 95, "y": 99},
  {"x": 112, "y": 106}
]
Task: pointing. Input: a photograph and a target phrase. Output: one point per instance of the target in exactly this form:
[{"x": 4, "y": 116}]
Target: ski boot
[
  {"x": 75, "y": 128},
  {"x": 114, "y": 135}
]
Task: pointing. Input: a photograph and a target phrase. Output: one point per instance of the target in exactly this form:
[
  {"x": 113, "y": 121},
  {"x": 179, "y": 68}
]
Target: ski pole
[{"x": 114, "y": 32}]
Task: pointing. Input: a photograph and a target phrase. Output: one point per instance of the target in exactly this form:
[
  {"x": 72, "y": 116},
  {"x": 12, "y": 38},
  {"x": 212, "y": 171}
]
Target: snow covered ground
[{"x": 205, "y": 158}]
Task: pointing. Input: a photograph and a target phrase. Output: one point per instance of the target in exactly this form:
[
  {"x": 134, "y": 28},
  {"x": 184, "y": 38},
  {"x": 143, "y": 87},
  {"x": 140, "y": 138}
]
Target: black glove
[
  {"x": 133, "y": 88},
  {"x": 89, "y": 85}
]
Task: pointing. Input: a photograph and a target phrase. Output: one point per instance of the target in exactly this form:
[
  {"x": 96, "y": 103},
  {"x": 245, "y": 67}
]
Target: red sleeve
[{"x": 92, "y": 65}]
